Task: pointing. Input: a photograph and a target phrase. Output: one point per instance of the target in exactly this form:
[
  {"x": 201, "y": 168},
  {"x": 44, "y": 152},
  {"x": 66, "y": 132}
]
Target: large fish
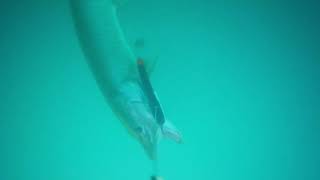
[{"x": 122, "y": 79}]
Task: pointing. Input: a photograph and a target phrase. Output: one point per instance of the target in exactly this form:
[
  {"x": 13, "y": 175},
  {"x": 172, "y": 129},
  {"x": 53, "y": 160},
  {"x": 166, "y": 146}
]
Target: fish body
[{"x": 114, "y": 67}]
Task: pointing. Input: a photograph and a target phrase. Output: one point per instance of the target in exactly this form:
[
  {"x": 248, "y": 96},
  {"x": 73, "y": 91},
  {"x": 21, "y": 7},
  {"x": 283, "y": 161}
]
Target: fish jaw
[{"x": 149, "y": 139}]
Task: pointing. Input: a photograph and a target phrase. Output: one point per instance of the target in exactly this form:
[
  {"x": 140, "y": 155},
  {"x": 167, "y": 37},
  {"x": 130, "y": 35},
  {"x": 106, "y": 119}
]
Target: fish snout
[{"x": 148, "y": 137}]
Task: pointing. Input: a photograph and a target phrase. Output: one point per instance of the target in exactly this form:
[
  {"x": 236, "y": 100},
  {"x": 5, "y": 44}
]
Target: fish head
[
  {"x": 138, "y": 118},
  {"x": 147, "y": 130}
]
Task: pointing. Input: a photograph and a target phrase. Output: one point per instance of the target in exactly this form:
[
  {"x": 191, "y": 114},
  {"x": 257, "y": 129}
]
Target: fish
[{"x": 118, "y": 73}]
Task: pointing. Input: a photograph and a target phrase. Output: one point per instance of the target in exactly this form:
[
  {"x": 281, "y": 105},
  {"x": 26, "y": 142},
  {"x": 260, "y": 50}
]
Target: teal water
[{"x": 240, "y": 80}]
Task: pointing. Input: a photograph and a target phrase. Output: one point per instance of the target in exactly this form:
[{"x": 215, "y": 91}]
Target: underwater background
[{"x": 239, "y": 79}]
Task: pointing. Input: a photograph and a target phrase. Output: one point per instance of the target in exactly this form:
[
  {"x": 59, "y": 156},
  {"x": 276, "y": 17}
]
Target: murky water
[{"x": 240, "y": 80}]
